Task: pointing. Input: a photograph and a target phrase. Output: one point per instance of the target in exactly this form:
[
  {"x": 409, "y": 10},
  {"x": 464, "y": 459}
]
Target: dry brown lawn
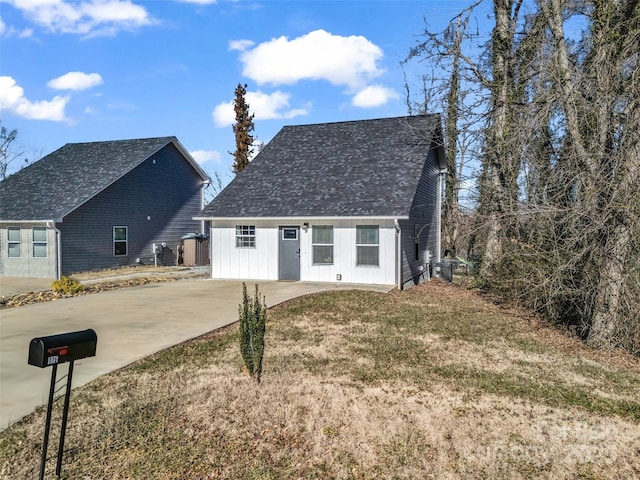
[
  {"x": 126, "y": 271},
  {"x": 429, "y": 383}
]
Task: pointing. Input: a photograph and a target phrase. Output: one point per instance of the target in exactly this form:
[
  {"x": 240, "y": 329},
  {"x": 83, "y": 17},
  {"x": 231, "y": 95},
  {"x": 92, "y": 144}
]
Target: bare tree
[
  {"x": 214, "y": 188},
  {"x": 448, "y": 87},
  {"x": 558, "y": 218},
  {"x": 600, "y": 104},
  {"x": 9, "y": 153}
]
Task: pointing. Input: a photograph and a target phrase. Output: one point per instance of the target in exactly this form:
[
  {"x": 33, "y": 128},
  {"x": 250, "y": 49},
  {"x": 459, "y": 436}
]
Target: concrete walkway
[{"x": 131, "y": 323}]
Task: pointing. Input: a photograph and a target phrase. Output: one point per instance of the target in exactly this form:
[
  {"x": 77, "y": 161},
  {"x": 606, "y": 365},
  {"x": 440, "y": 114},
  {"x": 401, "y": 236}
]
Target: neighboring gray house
[
  {"x": 353, "y": 202},
  {"x": 97, "y": 205}
]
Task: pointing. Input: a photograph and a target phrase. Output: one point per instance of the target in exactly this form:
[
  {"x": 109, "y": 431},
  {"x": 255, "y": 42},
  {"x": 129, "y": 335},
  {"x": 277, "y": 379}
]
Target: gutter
[
  {"x": 52, "y": 226},
  {"x": 398, "y": 253},
  {"x": 295, "y": 218},
  {"x": 439, "y": 219}
]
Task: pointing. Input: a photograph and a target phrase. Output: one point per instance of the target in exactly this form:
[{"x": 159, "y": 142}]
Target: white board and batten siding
[{"x": 261, "y": 262}]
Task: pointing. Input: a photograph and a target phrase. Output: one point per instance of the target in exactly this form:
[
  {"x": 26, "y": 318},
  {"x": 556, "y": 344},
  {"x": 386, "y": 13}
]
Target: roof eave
[
  {"x": 305, "y": 217},
  {"x": 205, "y": 178},
  {"x": 50, "y": 220},
  {"x": 176, "y": 143}
]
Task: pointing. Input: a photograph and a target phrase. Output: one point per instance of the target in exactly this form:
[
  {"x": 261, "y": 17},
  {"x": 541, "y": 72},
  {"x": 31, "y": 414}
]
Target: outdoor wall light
[{"x": 305, "y": 226}]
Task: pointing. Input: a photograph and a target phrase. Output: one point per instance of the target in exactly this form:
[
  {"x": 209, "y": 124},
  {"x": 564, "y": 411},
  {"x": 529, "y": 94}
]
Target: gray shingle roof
[
  {"x": 355, "y": 169},
  {"x": 59, "y": 183}
]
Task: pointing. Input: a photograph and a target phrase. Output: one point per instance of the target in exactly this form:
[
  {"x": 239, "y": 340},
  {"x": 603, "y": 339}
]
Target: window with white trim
[
  {"x": 367, "y": 245},
  {"x": 245, "y": 236},
  {"x": 39, "y": 241},
  {"x": 120, "y": 240},
  {"x": 322, "y": 242},
  {"x": 13, "y": 242}
]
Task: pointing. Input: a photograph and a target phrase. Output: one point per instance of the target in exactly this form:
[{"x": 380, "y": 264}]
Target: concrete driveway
[
  {"x": 14, "y": 285},
  {"x": 130, "y": 323}
]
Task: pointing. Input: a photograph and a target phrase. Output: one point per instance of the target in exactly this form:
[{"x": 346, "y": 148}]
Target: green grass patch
[{"x": 551, "y": 394}]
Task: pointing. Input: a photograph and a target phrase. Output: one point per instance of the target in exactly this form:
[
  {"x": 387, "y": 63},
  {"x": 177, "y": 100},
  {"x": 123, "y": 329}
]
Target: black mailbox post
[{"x": 52, "y": 351}]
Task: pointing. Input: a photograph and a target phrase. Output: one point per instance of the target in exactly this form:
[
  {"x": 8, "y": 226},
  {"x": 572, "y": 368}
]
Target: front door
[{"x": 289, "y": 253}]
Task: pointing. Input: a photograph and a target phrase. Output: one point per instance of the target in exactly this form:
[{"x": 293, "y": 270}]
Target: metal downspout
[
  {"x": 52, "y": 226},
  {"x": 398, "y": 253},
  {"x": 439, "y": 207}
]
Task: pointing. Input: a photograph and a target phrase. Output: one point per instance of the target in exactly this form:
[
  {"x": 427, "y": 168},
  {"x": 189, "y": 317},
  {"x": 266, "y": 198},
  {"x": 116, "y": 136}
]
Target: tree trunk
[
  {"x": 451, "y": 214},
  {"x": 499, "y": 189}
]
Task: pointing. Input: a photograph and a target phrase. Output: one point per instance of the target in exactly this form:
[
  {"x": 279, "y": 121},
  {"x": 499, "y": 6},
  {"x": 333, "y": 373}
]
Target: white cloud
[
  {"x": 12, "y": 99},
  {"x": 265, "y": 106},
  {"x": 373, "y": 96},
  {"x": 10, "y": 31},
  {"x": 204, "y": 156},
  {"x": 318, "y": 55},
  {"x": 241, "y": 45},
  {"x": 90, "y": 17},
  {"x": 199, "y": 2},
  {"x": 75, "y": 81}
]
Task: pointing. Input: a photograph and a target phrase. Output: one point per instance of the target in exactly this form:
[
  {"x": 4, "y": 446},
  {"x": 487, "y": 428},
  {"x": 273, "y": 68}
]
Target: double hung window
[
  {"x": 13, "y": 242},
  {"x": 39, "y": 240},
  {"x": 367, "y": 245},
  {"x": 120, "y": 240},
  {"x": 322, "y": 241}
]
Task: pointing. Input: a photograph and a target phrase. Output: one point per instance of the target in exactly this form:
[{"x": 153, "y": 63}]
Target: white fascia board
[
  {"x": 30, "y": 221},
  {"x": 292, "y": 219}
]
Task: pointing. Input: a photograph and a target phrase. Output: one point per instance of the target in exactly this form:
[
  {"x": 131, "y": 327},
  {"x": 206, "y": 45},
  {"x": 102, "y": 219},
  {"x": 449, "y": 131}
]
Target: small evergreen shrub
[
  {"x": 67, "y": 286},
  {"x": 253, "y": 316}
]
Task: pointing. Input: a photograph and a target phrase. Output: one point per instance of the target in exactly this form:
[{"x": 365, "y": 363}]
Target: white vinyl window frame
[
  {"x": 120, "y": 241},
  {"x": 322, "y": 244},
  {"x": 39, "y": 242},
  {"x": 14, "y": 242},
  {"x": 367, "y": 245},
  {"x": 245, "y": 236}
]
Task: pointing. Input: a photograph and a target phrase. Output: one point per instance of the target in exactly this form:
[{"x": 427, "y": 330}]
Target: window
[
  {"x": 39, "y": 240},
  {"x": 289, "y": 234},
  {"x": 246, "y": 236},
  {"x": 120, "y": 238},
  {"x": 13, "y": 242},
  {"x": 367, "y": 245},
  {"x": 322, "y": 241}
]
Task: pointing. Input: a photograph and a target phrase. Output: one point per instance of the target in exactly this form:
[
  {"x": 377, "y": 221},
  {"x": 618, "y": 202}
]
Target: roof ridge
[{"x": 422, "y": 115}]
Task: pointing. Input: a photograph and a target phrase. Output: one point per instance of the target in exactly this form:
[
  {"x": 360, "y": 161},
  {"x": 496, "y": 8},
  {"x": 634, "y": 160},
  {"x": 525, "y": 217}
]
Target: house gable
[
  {"x": 60, "y": 182},
  {"x": 149, "y": 201},
  {"x": 150, "y": 188},
  {"x": 380, "y": 176}
]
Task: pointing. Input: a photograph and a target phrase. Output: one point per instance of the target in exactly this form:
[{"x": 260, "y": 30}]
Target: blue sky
[{"x": 92, "y": 70}]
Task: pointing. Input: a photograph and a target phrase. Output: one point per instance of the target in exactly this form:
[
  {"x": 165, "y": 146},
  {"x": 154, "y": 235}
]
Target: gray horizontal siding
[
  {"x": 167, "y": 191},
  {"x": 423, "y": 218}
]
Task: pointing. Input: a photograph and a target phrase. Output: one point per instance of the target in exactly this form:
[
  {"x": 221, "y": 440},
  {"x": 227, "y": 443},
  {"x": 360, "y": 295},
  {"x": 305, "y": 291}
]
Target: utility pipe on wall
[
  {"x": 441, "y": 178},
  {"x": 398, "y": 253},
  {"x": 52, "y": 226}
]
